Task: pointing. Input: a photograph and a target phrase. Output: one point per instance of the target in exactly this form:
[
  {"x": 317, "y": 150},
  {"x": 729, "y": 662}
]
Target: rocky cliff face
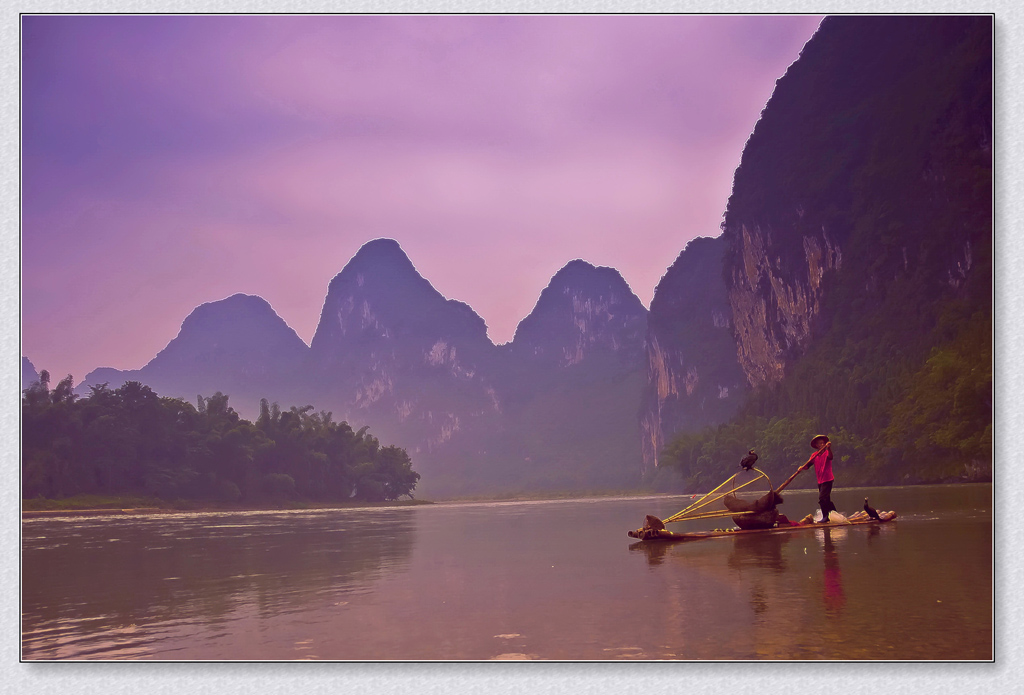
[
  {"x": 393, "y": 353},
  {"x": 848, "y": 182},
  {"x": 583, "y": 313},
  {"x": 856, "y": 243},
  {"x": 693, "y": 376},
  {"x": 774, "y": 303}
]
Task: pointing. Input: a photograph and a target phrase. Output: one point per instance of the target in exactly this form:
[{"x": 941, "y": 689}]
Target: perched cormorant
[
  {"x": 747, "y": 462},
  {"x": 871, "y": 510}
]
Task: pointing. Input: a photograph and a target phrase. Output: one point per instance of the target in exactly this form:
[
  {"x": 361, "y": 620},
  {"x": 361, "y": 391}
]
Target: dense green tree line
[
  {"x": 903, "y": 386},
  {"x": 130, "y": 441}
]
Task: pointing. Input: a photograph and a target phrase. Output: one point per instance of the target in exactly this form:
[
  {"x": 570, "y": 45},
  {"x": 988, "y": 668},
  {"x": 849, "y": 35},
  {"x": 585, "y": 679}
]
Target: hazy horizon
[{"x": 173, "y": 161}]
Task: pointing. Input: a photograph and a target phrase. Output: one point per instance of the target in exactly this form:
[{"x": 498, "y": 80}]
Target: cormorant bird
[
  {"x": 747, "y": 462},
  {"x": 871, "y": 510}
]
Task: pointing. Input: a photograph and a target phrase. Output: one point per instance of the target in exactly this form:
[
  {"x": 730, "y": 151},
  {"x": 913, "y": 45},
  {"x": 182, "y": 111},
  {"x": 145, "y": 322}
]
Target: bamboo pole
[{"x": 704, "y": 501}]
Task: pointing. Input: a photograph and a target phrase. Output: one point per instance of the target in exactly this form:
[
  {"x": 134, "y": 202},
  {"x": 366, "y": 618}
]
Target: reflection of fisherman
[
  {"x": 821, "y": 459},
  {"x": 833, "y": 594}
]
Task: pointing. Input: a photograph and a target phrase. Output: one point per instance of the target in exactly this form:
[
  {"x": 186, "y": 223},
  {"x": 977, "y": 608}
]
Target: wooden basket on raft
[{"x": 761, "y": 513}]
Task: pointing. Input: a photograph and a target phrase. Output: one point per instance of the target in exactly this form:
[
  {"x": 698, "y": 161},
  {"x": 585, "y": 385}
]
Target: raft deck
[{"x": 665, "y": 536}]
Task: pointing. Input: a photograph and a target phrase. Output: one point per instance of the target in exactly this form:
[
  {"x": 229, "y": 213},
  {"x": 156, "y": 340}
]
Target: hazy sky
[{"x": 172, "y": 161}]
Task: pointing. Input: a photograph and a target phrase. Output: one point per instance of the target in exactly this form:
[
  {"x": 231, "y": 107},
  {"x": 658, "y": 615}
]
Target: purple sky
[{"x": 171, "y": 161}]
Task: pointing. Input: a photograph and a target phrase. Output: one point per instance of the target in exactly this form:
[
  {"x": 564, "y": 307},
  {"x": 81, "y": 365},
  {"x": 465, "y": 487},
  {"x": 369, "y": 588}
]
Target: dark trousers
[{"x": 825, "y": 499}]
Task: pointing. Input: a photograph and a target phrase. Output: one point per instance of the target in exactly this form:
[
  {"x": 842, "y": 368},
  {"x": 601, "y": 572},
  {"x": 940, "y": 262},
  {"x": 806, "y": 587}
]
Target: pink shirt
[{"x": 823, "y": 465}]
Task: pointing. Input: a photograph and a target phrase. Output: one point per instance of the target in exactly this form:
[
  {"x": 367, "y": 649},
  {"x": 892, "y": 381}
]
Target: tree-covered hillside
[{"x": 878, "y": 140}]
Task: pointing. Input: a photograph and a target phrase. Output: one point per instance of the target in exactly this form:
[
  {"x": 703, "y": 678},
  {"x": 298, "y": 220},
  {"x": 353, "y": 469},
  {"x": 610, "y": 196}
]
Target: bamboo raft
[
  {"x": 651, "y": 535},
  {"x": 759, "y": 516}
]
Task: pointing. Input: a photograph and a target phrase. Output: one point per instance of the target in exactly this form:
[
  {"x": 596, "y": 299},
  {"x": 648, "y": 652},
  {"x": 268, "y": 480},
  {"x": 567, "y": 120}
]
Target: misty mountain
[
  {"x": 379, "y": 301},
  {"x": 569, "y": 383},
  {"x": 238, "y": 346},
  {"x": 391, "y": 352},
  {"x": 29, "y": 374},
  {"x": 583, "y": 315},
  {"x": 555, "y": 408}
]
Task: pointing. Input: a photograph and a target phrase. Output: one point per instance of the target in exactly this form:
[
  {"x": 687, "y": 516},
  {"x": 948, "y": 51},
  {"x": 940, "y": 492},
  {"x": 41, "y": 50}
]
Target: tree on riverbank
[{"x": 131, "y": 441}]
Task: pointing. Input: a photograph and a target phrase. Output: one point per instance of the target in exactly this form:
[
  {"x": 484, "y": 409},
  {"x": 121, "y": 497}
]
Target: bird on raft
[
  {"x": 748, "y": 461},
  {"x": 872, "y": 512}
]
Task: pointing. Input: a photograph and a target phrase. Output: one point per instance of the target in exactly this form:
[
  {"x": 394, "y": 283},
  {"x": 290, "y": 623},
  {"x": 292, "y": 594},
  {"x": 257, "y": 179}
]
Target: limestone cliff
[
  {"x": 391, "y": 352},
  {"x": 571, "y": 381},
  {"x": 773, "y": 304},
  {"x": 693, "y": 377},
  {"x": 868, "y": 168},
  {"x": 857, "y": 263},
  {"x": 584, "y": 311}
]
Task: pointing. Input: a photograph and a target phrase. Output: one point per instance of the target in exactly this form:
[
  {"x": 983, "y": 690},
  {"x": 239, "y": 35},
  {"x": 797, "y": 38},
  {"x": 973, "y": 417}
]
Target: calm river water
[{"x": 512, "y": 580}]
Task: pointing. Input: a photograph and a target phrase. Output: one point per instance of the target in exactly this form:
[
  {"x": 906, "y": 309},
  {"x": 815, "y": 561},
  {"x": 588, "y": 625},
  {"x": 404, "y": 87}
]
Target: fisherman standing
[{"x": 821, "y": 459}]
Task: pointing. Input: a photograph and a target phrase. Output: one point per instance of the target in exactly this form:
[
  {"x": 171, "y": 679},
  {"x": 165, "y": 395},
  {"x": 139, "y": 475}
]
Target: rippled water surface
[{"x": 512, "y": 580}]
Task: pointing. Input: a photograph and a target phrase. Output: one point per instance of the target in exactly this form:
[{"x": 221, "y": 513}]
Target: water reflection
[
  {"x": 482, "y": 581},
  {"x": 655, "y": 552},
  {"x": 762, "y": 550},
  {"x": 833, "y": 595},
  {"x": 87, "y": 577}
]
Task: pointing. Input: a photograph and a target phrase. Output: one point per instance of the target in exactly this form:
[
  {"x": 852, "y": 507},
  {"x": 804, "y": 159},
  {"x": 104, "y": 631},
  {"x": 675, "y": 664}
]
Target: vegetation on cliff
[{"x": 881, "y": 134}]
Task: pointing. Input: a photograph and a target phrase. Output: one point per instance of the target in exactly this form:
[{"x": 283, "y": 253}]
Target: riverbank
[
  {"x": 121, "y": 506},
  {"x": 106, "y": 506}
]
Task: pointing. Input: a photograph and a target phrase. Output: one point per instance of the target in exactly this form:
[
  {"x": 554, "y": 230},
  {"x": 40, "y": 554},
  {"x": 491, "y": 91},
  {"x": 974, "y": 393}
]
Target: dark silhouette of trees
[{"x": 131, "y": 441}]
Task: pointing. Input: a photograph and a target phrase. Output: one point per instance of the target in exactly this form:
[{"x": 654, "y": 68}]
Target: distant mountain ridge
[
  {"x": 404, "y": 305},
  {"x": 850, "y": 290},
  {"x": 393, "y": 353},
  {"x": 241, "y": 334}
]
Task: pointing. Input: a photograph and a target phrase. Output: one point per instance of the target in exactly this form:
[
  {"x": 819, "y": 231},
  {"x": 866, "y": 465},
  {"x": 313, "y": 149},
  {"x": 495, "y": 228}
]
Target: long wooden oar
[{"x": 782, "y": 487}]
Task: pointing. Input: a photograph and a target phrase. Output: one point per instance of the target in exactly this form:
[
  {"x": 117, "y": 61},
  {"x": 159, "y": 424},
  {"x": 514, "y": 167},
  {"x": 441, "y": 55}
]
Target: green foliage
[
  {"x": 130, "y": 441},
  {"x": 946, "y": 415},
  {"x": 704, "y": 459},
  {"x": 881, "y": 135},
  {"x": 278, "y": 486}
]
